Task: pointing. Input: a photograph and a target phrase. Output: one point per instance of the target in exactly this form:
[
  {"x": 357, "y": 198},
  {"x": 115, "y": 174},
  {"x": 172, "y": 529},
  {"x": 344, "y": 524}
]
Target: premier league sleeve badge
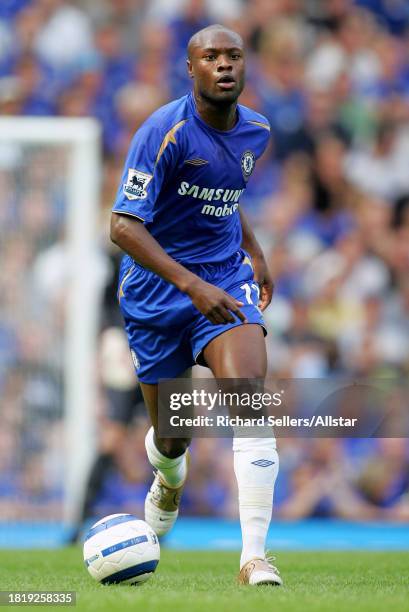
[{"x": 136, "y": 185}]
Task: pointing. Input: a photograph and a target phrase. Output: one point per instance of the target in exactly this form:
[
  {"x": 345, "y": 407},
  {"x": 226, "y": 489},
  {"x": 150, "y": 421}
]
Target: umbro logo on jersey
[
  {"x": 197, "y": 161},
  {"x": 262, "y": 462},
  {"x": 136, "y": 184}
]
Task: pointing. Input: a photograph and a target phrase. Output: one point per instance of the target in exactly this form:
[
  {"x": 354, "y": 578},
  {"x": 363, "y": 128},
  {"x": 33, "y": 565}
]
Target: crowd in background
[{"x": 329, "y": 201}]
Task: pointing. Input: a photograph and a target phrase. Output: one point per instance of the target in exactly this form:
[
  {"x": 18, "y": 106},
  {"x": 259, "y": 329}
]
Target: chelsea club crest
[{"x": 248, "y": 161}]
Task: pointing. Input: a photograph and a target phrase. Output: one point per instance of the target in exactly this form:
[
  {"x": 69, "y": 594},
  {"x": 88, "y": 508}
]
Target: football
[{"x": 121, "y": 548}]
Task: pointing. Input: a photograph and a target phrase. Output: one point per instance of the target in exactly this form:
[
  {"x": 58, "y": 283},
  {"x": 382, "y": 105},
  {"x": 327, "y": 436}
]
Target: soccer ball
[{"x": 121, "y": 548}]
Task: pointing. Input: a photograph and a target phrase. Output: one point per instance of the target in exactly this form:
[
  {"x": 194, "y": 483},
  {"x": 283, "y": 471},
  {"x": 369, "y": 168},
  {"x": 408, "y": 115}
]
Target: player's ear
[{"x": 189, "y": 68}]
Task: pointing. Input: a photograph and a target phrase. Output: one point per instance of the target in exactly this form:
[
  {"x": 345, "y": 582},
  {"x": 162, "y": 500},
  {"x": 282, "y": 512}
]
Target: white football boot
[
  {"x": 162, "y": 503},
  {"x": 260, "y": 571}
]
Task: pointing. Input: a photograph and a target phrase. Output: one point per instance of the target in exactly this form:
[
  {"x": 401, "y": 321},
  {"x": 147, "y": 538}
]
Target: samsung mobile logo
[{"x": 208, "y": 193}]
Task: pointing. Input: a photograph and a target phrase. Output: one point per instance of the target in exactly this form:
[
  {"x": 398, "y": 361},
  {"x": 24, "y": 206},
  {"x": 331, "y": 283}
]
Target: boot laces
[{"x": 269, "y": 559}]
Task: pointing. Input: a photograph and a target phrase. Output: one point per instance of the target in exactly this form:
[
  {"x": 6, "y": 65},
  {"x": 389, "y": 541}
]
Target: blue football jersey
[{"x": 184, "y": 179}]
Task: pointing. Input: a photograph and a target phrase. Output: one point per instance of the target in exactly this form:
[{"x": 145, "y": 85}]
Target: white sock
[
  {"x": 256, "y": 467},
  {"x": 172, "y": 470}
]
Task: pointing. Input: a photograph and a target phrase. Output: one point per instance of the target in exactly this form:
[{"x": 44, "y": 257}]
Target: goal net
[{"x": 49, "y": 302}]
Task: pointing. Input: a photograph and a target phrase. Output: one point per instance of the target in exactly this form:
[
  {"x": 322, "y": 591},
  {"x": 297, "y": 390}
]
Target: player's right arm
[
  {"x": 133, "y": 238},
  {"x": 147, "y": 165}
]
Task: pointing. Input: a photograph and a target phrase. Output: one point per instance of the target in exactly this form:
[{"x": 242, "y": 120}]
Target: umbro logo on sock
[{"x": 262, "y": 462}]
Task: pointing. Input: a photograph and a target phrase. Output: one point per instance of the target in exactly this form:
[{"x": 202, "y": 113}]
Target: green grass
[{"x": 190, "y": 581}]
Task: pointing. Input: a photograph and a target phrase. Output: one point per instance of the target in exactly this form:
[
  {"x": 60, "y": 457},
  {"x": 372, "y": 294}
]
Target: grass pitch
[{"x": 205, "y": 581}]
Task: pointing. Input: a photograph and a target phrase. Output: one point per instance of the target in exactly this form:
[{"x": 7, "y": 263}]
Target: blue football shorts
[{"x": 166, "y": 333}]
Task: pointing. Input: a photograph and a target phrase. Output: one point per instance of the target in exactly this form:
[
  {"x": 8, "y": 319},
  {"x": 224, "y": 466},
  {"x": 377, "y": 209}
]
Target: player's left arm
[{"x": 262, "y": 274}]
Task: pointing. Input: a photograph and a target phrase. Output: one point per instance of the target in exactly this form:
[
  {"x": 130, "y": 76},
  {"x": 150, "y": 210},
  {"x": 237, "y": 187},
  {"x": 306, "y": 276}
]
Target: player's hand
[
  {"x": 215, "y": 304},
  {"x": 264, "y": 279}
]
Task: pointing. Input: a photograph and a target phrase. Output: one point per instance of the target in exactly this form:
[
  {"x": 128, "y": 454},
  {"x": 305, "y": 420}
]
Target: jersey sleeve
[
  {"x": 265, "y": 134},
  {"x": 261, "y": 131},
  {"x": 151, "y": 157}
]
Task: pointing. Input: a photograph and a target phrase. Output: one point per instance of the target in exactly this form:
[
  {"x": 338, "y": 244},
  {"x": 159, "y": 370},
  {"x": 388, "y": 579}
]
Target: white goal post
[{"x": 81, "y": 139}]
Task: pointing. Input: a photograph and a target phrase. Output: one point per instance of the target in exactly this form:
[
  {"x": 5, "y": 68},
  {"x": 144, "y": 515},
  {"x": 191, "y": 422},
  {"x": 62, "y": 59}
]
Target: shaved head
[
  {"x": 216, "y": 63},
  {"x": 205, "y": 37}
]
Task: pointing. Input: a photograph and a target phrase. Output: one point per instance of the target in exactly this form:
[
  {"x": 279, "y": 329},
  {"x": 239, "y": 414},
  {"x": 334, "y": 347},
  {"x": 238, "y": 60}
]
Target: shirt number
[{"x": 247, "y": 288}]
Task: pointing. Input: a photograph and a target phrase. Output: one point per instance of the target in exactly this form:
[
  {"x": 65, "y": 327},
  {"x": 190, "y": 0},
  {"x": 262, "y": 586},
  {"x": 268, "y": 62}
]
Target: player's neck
[{"x": 219, "y": 117}]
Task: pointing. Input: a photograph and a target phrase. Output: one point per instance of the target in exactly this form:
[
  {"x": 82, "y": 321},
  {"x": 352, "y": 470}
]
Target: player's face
[{"x": 217, "y": 67}]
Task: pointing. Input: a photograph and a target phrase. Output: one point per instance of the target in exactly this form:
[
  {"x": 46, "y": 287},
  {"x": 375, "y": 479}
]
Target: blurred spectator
[
  {"x": 381, "y": 169},
  {"x": 65, "y": 34},
  {"x": 384, "y": 478},
  {"x": 279, "y": 82},
  {"x": 134, "y": 103}
]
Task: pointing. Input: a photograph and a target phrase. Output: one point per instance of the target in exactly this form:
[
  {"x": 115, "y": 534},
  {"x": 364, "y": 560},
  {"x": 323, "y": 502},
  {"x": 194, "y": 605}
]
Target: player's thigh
[{"x": 239, "y": 352}]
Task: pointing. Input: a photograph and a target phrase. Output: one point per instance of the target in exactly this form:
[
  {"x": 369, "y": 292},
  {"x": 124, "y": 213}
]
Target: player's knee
[
  {"x": 173, "y": 447},
  {"x": 248, "y": 370}
]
